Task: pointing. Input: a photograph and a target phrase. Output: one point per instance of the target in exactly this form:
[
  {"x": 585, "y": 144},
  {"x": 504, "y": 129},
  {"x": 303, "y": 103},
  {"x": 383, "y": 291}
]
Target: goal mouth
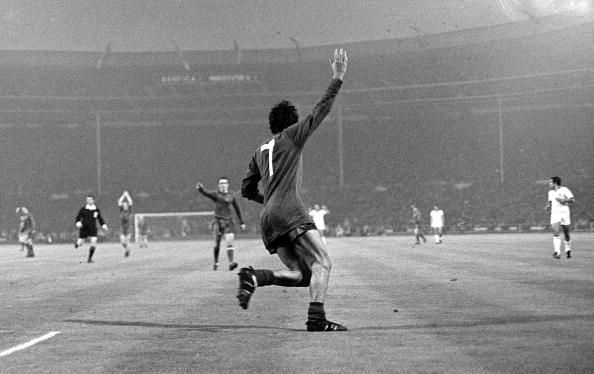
[{"x": 173, "y": 225}]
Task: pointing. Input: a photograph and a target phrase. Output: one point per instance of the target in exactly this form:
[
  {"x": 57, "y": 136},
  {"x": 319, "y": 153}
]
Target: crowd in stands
[{"x": 399, "y": 146}]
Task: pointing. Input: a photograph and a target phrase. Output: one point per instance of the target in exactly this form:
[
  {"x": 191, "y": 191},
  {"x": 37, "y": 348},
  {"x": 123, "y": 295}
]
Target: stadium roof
[
  {"x": 575, "y": 30},
  {"x": 215, "y": 25}
]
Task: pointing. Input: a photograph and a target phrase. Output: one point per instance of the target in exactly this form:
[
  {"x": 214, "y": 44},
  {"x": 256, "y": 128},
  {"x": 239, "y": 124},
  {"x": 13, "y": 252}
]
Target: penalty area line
[{"x": 29, "y": 343}]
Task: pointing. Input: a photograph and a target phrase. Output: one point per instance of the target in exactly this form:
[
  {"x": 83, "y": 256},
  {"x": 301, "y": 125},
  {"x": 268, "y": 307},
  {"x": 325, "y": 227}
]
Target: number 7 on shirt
[{"x": 269, "y": 147}]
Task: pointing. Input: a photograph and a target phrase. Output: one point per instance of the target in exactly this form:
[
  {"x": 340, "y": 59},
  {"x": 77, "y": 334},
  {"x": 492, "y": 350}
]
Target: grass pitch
[{"x": 475, "y": 304}]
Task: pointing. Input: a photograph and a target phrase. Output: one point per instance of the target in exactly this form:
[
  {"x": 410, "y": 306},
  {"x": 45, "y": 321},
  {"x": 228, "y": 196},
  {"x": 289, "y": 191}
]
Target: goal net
[{"x": 174, "y": 225}]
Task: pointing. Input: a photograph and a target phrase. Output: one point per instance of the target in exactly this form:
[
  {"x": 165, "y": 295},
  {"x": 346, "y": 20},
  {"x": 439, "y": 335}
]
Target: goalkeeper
[{"x": 223, "y": 226}]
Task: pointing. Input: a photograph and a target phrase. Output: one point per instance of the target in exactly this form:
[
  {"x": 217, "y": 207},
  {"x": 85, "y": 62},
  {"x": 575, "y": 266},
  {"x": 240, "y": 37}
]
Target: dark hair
[
  {"x": 281, "y": 116},
  {"x": 556, "y": 180}
]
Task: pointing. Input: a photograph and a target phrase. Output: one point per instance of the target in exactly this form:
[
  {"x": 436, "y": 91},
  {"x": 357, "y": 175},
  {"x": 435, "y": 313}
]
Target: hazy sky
[{"x": 151, "y": 25}]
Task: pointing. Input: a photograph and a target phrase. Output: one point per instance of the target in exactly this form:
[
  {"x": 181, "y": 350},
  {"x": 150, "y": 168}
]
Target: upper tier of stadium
[{"x": 509, "y": 60}]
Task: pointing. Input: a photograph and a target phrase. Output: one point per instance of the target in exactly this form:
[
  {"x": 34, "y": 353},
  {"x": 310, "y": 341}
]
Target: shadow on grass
[
  {"x": 209, "y": 328},
  {"x": 487, "y": 321}
]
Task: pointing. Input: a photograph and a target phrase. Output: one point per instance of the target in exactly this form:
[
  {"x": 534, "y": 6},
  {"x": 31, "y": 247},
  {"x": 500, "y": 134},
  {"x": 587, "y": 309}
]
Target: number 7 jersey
[{"x": 276, "y": 166}]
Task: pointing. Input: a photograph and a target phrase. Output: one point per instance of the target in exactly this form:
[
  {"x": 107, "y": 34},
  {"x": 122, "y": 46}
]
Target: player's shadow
[
  {"x": 487, "y": 321},
  {"x": 206, "y": 328}
]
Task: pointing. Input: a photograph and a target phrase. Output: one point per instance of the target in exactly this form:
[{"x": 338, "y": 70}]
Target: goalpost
[{"x": 168, "y": 224}]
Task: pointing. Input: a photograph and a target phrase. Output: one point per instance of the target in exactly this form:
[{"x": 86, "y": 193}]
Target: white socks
[{"x": 557, "y": 244}]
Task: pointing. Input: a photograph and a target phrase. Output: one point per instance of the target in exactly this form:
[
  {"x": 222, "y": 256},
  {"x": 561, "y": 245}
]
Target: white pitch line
[{"x": 29, "y": 343}]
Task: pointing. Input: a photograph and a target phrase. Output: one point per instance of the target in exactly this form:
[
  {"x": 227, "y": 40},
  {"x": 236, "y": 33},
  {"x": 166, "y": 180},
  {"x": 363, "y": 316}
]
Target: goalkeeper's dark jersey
[
  {"x": 223, "y": 204},
  {"x": 27, "y": 226},
  {"x": 276, "y": 164},
  {"x": 125, "y": 218}
]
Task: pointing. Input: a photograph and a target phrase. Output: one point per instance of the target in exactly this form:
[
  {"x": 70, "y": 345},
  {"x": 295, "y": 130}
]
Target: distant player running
[
  {"x": 286, "y": 227},
  {"x": 559, "y": 198},
  {"x": 26, "y": 230},
  {"x": 125, "y": 204},
  {"x": 86, "y": 223},
  {"x": 223, "y": 226}
]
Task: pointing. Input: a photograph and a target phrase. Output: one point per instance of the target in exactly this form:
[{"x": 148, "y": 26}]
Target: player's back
[
  {"x": 275, "y": 164},
  {"x": 278, "y": 157},
  {"x": 278, "y": 162}
]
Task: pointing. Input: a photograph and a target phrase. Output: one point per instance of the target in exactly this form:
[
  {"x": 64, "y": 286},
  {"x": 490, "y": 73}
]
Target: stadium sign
[
  {"x": 175, "y": 79},
  {"x": 233, "y": 78}
]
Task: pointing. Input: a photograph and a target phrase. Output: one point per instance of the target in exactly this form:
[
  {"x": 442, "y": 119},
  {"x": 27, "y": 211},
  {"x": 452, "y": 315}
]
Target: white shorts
[
  {"x": 562, "y": 218},
  {"x": 25, "y": 238}
]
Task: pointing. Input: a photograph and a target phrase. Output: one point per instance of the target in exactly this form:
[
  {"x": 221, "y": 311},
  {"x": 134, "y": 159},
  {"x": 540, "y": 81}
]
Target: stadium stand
[{"x": 418, "y": 122}]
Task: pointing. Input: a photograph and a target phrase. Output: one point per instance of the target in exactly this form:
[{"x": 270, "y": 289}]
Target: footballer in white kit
[
  {"x": 318, "y": 214},
  {"x": 437, "y": 223},
  {"x": 559, "y": 198}
]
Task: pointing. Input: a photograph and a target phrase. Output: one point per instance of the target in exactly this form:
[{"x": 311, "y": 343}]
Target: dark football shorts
[
  {"x": 287, "y": 239},
  {"x": 222, "y": 226},
  {"x": 87, "y": 232}
]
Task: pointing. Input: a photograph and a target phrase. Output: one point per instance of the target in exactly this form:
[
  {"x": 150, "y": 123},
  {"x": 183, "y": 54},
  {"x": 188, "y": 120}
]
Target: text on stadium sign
[
  {"x": 177, "y": 79},
  {"x": 224, "y": 78}
]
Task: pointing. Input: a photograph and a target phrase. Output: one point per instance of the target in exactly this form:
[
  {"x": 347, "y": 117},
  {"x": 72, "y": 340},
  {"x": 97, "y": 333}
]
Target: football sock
[
  {"x": 216, "y": 254},
  {"x": 230, "y": 253},
  {"x": 91, "y": 252},
  {"x": 436, "y": 238},
  {"x": 567, "y": 246},
  {"x": 264, "y": 277},
  {"x": 316, "y": 312},
  {"x": 565, "y": 229},
  {"x": 557, "y": 244},
  {"x": 30, "y": 250}
]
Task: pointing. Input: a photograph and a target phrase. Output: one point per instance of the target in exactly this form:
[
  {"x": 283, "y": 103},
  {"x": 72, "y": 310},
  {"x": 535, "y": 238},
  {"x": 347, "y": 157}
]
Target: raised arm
[
  {"x": 300, "y": 131},
  {"x": 210, "y": 194},
  {"x": 125, "y": 197}
]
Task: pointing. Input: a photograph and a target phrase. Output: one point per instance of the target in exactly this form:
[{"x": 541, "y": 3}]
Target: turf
[{"x": 475, "y": 304}]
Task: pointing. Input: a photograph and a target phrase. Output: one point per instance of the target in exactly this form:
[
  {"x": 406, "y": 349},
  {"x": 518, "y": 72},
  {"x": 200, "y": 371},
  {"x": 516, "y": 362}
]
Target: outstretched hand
[
  {"x": 339, "y": 63},
  {"x": 199, "y": 186}
]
